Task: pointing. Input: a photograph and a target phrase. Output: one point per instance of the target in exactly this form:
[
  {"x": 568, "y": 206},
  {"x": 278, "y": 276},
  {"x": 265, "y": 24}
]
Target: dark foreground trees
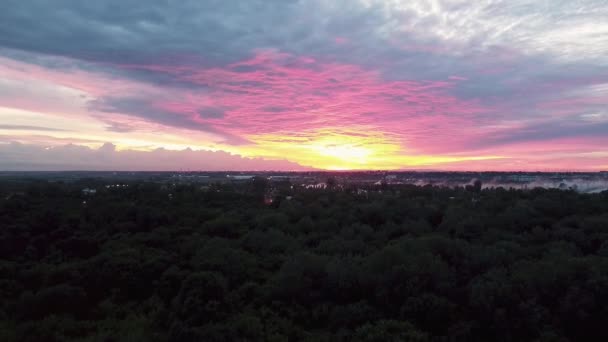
[{"x": 150, "y": 262}]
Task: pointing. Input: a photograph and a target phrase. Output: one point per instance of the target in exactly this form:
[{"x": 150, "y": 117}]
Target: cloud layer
[
  {"x": 18, "y": 156},
  {"x": 340, "y": 84}
]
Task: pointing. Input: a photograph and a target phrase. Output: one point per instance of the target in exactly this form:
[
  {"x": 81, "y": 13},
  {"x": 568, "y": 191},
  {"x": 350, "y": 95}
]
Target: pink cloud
[
  {"x": 284, "y": 96},
  {"x": 341, "y": 40},
  {"x": 276, "y": 92}
]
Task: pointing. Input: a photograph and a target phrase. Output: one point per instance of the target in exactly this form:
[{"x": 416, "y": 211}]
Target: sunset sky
[{"x": 296, "y": 85}]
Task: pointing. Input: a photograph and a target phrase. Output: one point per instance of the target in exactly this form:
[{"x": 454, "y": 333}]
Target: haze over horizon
[{"x": 491, "y": 85}]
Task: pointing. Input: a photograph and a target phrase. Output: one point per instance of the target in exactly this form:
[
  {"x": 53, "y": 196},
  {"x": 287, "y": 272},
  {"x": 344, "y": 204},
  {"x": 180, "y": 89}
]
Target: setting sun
[{"x": 349, "y": 148}]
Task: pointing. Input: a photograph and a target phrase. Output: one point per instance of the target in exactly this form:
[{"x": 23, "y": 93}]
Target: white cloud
[
  {"x": 21, "y": 157},
  {"x": 569, "y": 31}
]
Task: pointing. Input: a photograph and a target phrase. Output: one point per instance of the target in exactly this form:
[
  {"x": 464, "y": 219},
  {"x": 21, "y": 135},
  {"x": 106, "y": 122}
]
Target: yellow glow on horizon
[
  {"x": 356, "y": 148},
  {"x": 345, "y": 152}
]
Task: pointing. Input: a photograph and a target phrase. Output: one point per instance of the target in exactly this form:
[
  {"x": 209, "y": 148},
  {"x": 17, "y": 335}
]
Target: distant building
[
  {"x": 116, "y": 186},
  {"x": 87, "y": 191},
  {"x": 240, "y": 177},
  {"x": 268, "y": 199},
  {"x": 316, "y": 186},
  {"x": 362, "y": 192}
]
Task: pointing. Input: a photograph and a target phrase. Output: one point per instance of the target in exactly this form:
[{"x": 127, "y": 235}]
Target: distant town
[{"x": 590, "y": 182}]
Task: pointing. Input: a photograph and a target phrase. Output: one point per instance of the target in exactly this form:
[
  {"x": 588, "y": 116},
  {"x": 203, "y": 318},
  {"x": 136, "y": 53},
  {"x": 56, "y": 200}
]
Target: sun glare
[
  {"x": 354, "y": 148},
  {"x": 346, "y": 152},
  {"x": 328, "y": 148}
]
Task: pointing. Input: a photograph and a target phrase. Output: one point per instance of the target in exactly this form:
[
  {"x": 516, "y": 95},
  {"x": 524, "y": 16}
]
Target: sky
[{"x": 293, "y": 85}]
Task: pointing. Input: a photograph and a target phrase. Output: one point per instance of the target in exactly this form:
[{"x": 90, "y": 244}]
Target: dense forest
[{"x": 147, "y": 261}]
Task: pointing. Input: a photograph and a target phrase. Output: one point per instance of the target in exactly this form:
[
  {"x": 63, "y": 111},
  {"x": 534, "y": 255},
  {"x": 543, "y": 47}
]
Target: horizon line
[{"x": 309, "y": 171}]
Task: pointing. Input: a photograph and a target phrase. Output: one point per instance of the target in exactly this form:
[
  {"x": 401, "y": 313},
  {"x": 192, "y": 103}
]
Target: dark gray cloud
[
  {"x": 119, "y": 127},
  {"x": 131, "y": 31},
  {"x": 402, "y": 41},
  {"x": 212, "y": 31},
  {"x": 211, "y": 112},
  {"x": 273, "y": 109},
  {"x": 546, "y": 131},
  {"x": 143, "y": 108}
]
